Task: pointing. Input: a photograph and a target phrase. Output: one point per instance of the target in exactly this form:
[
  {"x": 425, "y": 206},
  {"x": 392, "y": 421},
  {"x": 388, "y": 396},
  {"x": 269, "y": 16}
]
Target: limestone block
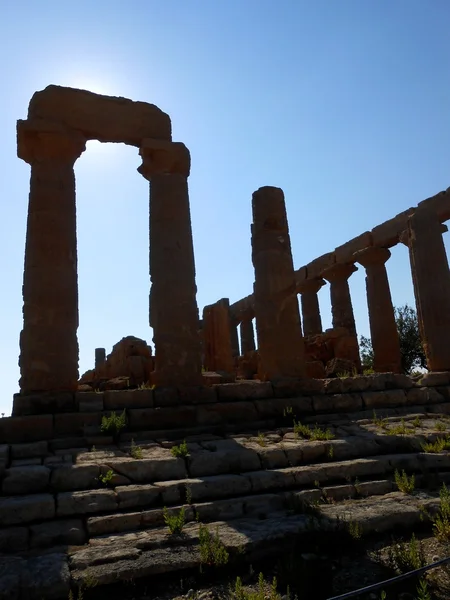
[
  {"x": 440, "y": 204},
  {"x": 387, "y": 234},
  {"x": 113, "y": 523},
  {"x": 47, "y": 576},
  {"x": 74, "y": 477},
  {"x": 319, "y": 265},
  {"x": 223, "y": 457},
  {"x": 337, "y": 403},
  {"x": 172, "y": 492},
  {"x": 13, "y": 539},
  {"x": 219, "y": 486},
  {"x": 30, "y": 450},
  {"x": 25, "y": 480},
  {"x": 384, "y": 399},
  {"x": 226, "y": 413},
  {"x": 344, "y": 253},
  {"x": 162, "y": 418},
  {"x": 435, "y": 379},
  {"x": 374, "y": 488},
  {"x": 166, "y": 396},
  {"x": 120, "y": 399},
  {"x": 43, "y": 404},
  {"x": 424, "y": 395},
  {"x": 92, "y": 404},
  {"x": 315, "y": 369},
  {"x": 291, "y": 387},
  {"x": 339, "y": 492},
  {"x": 58, "y": 533},
  {"x": 262, "y": 481},
  {"x": 220, "y": 510},
  {"x": 16, "y": 430},
  {"x": 74, "y": 424},
  {"x": 84, "y": 502},
  {"x": 25, "y": 509},
  {"x": 270, "y": 409},
  {"x": 197, "y": 395},
  {"x": 244, "y": 391},
  {"x": 159, "y": 466},
  {"x": 11, "y": 572},
  {"x": 131, "y": 496}
]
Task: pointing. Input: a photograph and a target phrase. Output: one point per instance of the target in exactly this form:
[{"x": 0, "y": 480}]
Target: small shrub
[
  {"x": 439, "y": 445},
  {"x": 188, "y": 494},
  {"x": 288, "y": 411},
  {"x": 404, "y": 483},
  {"x": 368, "y": 371},
  {"x": 330, "y": 452},
  {"x": 313, "y": 434},
  {"x": 135, "y": 451},
  {"x": 406, "y": 556},
  {"x": 114, "y": 424},
  {"x": 399, "y": 429},
  {"x": 417, "y": 422},
  {"x": 441, "y": 522},
  {"x": 175, "y": 522},
  {"x": 422, "y": 590},
  {"x": 264, "y": 591},
  {"x": 261, "y": 439},
  {"x": 180, "y": 451},
  {"x": 212, "y": 550},
  {"x": 355, "y": 530},
  {"x": 107, "y": 478},
  {"x": 379, "y": 422},
  {"x": 440, "y": 426}
]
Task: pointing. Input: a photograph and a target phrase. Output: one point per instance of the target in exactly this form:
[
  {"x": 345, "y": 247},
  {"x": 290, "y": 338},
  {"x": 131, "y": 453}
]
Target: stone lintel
[
  {"x": 164, "y": 157},
  {"x": 345, "y": 252},
  {"x": 440, "y": 204},
  {"x": 316, "y": 267},
  {"x": 372, "y": 256},
  {"x": 387, "y": 234},
  {"x": 337, "y": 272}
]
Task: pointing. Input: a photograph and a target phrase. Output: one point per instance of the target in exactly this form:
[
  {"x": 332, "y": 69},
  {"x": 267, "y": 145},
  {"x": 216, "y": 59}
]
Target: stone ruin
[{"x": 78, "y": 502}]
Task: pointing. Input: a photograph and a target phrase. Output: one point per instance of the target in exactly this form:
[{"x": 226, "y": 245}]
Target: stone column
[
  {"x": 312, "y": 322},
  {"x": 48, "y": 341},
  {"x": 247, "y": 336},
  {"x": 100, "y": 357},
  {"x": 217, "y": 339},
  {"x": 431, "y": 279},
  {"x": 173, "y": 303},
  {"x": 280, "y": 341},
  {"x": 383, "y": 328},
  {"x": 341, "y": 304},
  {"x": 234, "y": 338}
]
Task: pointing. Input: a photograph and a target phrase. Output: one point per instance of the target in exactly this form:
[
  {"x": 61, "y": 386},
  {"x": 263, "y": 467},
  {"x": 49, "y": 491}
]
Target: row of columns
[{"x": 48, "y": 341}]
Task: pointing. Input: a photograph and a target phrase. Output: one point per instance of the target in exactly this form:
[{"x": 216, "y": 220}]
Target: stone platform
[{"x": 249, "y": 474}]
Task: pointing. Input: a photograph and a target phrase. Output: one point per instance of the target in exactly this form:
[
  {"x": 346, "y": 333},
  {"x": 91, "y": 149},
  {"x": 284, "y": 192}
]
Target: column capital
[
  {"x": 339, "y": 272},
  {"x": 39, "y": 141},
  {"x": 310, "y": 285},
  {"x": 404, "y": 236},
  {"x": 161, "y": 157},
  {"x": 373, "y": 255}
]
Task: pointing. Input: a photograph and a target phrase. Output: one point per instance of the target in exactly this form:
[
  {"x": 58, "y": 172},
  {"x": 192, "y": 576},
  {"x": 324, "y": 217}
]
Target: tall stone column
[
  {"x": 383, "y": 329},
  {"x": 48, "y": 341},
  {"x": 234, "y": 338},
  {"x": 312, "y": 322},
  {"x": 247, "y": 336},
  {"x": 217, "y": 337},
  {"x": 280, "y": 341},
  {"x": 341, "y": 304},
  {"x": 173, "y": 303},
  {"x": 431, "y": 280}
]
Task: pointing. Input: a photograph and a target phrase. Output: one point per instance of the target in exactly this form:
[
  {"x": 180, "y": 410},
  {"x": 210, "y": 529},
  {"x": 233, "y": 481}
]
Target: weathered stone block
[
  {"x": 25, "y": 480},
  {"x": 277, "y": 407},
  {"x": 74, "y": 477},
  {"x": 120, "y": 399},
  {"x": 31, "y": 450},
  {"x": 13, "y": 539},
  {"x": 435, "y": 379},
  {"x": 16, "y": 430},
  {"x": 249, "y": 390},
  {"x": 89, "y": 402},
  {"x": 440, "y": 204},
  {"x": 315, "y": 268},
  {"x": 344, "y": 253},
  {"x": 290, "y": 387},
  {"x": 197, "y": 395},
  {"x": 333, "y": 386},
  {"x": 132, "y": 496},
  {"x": 337, "y": 403},
  {"x": 384, "y": 399},
  {"x": 70, "y": 532},
  {"x": 43, "y": 404},
  {"x": 160, "y": 467},
  {"x": 221, "y": 510},
  {"x": 114, "y": 523},
  {"x": 74, "y": 424},
  {"x": 166, "y": 396},
  {"x": 162, "y": 418},
  {"x": 12, "y": 570},
  {"x": 339, "y": 492},
  {"x": 4, "y": 453},
  {"x": 387, "y": 234},
  {"x": 47, "y": 577},
  {"x": 84, "y": 502},
  {"x": 226, "y": 413},
  {"x": 26, "y": 509},
  {"x": 223, "y": 457},
  {"x": 26, "y": 462}
]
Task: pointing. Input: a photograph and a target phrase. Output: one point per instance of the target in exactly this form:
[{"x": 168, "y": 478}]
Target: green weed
[
  {"x": 212, "y": 550},
  {"x": 174, "y": 521},
  {"x": 180, "y": 451},
  {"x": 404, "y": 483},
  {"x": 114, "y": 423},
  {"x": 135, "y": 451},
  {"x": 313, "y": 434},
  {"x": 406, "y": 556}
]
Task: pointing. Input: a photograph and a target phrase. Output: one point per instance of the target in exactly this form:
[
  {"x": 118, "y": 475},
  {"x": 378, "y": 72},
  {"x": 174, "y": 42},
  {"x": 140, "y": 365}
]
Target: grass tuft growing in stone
[
  {"x": 176, "y": 521},
  {"x": 264, "y": 591},
  {"x": 437, "y": 446},
  {"x": 212, "y": 550},
  {"x": 312, "y": 433},
  {"x": 441, "y": 522},
  {"x": 114, "y": 424},
  {"x": 406, "y": 556},
  {"x": 261, "y": 439},
  {"x": 107, "y": 478},
  {"x": 135, "y": 451},
  {"x": 404, "y": 483},
  {"x": 180, "y": 451}
]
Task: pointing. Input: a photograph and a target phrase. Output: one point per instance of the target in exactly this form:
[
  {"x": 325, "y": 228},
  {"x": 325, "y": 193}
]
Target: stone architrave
[
  {"x": 218, "y": 351},
  {"x": 383, "y": 328},
  {"x": 247, "y": 336},
  {"x": 431, "y": 280},
  {"x": 341, "y": 303},
  {"x": 48, "y": 341},
  {"x": 278, "y": 325},
  {"x": 312, "y": 322},
  {"x": 173, "y": 303}
]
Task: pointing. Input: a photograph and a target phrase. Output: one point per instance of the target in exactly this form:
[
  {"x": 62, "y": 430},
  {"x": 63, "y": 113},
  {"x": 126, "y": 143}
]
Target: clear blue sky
[{"x": 342, "y": 103}]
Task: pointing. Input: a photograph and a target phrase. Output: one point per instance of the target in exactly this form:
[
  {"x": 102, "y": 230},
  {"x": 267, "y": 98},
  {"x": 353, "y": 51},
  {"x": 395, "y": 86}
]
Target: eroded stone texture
[
  {"x": 341, "y": 302},
  {"x": 280, "y": 341},
  {"x": 383, "y": 328},
  {"x": 48, "y": 341},
  {"x": 431, "y": 279},
  {"x": 312, "y": 322},
  {"x": 247, "y": 336},
  {"x": 218, "y": 352},
  {"x": 173, "y": 303}
]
